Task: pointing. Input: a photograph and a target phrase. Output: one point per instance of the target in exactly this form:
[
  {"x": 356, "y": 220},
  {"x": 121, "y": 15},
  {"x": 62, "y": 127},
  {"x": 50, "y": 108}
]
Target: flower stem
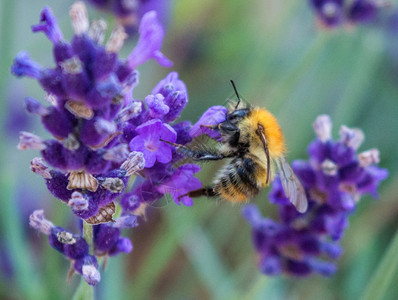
[
  {"x": 85, "y": 291},
  {"x": 88, "y": 236}
]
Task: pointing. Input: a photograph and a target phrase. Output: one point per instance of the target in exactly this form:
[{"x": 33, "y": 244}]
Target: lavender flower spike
[
  {"x": 95, "y": 121},
  {"x": 150, "y": 42},
  {"x": 334, "y": 178},
  {"x": 333, "y": 13}
]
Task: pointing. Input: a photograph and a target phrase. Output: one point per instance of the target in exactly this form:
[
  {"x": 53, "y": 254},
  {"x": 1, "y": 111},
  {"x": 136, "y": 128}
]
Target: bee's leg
[
  {"x": 214, "y": 127},
  {"x": 199, "y": 154},
  {"x": 207, "y": 192}
]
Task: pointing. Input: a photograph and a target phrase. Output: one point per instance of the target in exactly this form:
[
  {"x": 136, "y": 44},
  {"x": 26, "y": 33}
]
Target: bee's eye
[
  {"x": 233, "y": 117},
  {"x": 237, "y": 115},
  {"x": 228, "y": 127}
]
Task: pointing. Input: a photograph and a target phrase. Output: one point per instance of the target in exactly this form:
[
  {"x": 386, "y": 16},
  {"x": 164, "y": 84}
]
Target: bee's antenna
[{"x": 236, "y": 92}]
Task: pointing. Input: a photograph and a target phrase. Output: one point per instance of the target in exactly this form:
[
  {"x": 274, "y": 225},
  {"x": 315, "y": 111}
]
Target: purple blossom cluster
[
  {"x": 129, "y": 12},
  {"x": 334, "y": 13},
  {"x": 148, "y": 134},
  {"x": 334, "y": 178},
  {"x": 102, "y": 135},
  {"x": 106, "y": 242}
]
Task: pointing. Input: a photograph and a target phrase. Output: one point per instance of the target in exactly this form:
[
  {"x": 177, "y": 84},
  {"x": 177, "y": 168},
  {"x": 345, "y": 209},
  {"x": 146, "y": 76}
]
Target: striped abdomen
[{"x": 236, "y": 181}]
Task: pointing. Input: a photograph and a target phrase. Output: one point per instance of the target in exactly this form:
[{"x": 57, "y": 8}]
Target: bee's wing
[{"x": 292, "y": 185}]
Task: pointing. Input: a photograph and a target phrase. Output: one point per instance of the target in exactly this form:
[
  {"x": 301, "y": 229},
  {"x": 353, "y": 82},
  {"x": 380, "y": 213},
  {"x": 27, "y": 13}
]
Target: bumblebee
[{"x": 253, "y": 142}]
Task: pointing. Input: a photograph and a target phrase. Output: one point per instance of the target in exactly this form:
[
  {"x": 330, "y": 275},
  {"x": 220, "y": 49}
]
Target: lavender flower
[
  {"x": 334, "y": 13},
  {"x": 129, "y": 12},
  {"x": 335, "y": 178},
  {"x": 329, "y": 12},
  {"x": 213, "y": 116},
  {"x": 107, "y": 241},
  {"x": 94, "y": 121},
  {"x": 86, "y": 91},
  {"x": 74, "y": 247},
  {"x": 180, "y": 183},
  {"x": 148, "y": 132},
  {"x": 149, "y": 142}
]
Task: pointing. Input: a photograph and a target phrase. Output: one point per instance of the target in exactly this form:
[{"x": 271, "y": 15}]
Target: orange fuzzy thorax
[
  {"x": 273, "y": 132},
  {"x": 274, "y": 137}
]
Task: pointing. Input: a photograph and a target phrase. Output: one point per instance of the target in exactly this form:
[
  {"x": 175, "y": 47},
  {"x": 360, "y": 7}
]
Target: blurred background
[{"x": 280, "y": 59}]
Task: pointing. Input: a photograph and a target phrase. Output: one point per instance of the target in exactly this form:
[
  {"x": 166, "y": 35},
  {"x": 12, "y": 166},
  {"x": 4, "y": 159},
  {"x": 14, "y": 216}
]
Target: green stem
[
  {"x": 84, "y": 290},
  {"x": 385, "y": 274},
  {"x": 88, "y": 236}
]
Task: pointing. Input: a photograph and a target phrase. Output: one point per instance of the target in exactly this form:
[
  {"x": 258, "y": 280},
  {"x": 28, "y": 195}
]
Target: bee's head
[{"x": 238, "y": 114}]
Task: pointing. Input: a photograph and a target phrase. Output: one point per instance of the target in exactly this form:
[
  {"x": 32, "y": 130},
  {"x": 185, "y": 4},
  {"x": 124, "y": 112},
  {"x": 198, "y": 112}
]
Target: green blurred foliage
[{"x": 279, "y": 59}]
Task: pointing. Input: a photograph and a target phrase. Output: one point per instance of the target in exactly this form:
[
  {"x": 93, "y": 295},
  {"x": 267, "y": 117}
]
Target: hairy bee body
[
  {"x": 237, "y": 180},
  {"x": 252, "y": 142},
  {"x": 244, "y": 175}
]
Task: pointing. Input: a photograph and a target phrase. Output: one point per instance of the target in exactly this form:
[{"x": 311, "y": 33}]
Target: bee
[{"x": 252, "y": 142}]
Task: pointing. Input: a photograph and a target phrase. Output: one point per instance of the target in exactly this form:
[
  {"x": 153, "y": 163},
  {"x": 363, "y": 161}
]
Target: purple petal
[
  {"x": 156, "y": 106},
  {"x": 270, "y": 265},
  {"x": 175, "y": 95},
  {"x": 122, "y": 245},
  {"x": 168, "y": 133},
  {"x": 362, "y": 11},
  {"x": 252, "y": 214},
  {"x": 49, "y": 26},
  {"x": 213, "y": 116},
  {"x": 105, "y": 237},
  {"x": 149, "y": 44},
  {"x": 24, "y": 66},
  {"x": 57, "y": 186}
]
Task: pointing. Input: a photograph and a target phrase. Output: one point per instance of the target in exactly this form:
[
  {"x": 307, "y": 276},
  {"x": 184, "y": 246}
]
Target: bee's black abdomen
[
  {"x": 237, "y": 181},
  {"x": 249, "y": 165},
  {"x": 246, "y": 178},
  {"x": 224, "y": 182},
  {"x": 232, "y": 178},
  {"x": 246, "y": 171}
]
